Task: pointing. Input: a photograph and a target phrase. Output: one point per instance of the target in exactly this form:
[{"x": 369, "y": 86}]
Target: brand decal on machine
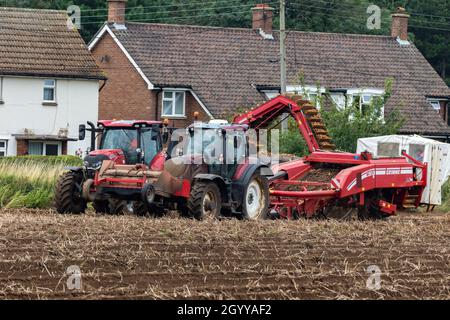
[{"x": 372, "y": 173}]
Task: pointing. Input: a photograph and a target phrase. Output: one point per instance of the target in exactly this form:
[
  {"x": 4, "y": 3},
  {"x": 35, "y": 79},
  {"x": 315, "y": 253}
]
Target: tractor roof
[{"x": 127, "y": 123}]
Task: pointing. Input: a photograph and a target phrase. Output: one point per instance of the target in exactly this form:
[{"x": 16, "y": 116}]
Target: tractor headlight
[{"x": 95, "y": 166}]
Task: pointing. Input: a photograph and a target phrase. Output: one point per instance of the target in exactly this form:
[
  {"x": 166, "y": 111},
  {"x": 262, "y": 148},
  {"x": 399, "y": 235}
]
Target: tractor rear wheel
[
  {"x": 68, "y": 194},
  {"x": 205, "y": 200},
  {"x": 256, "y": 199}
]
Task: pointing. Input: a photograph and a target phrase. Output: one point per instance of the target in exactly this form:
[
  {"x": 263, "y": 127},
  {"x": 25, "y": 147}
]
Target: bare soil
[{"x": 136, "y": 258}]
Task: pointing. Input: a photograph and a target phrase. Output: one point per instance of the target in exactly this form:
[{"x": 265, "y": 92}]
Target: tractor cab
[
  {"x": 124, "y": 142},
  {"x": 219, "y": 145}
]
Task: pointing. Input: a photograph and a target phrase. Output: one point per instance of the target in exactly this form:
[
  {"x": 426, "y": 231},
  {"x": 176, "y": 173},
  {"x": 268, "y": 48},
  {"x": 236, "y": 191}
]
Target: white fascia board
[
  {"x": 202, "y": 104},
  {"x": 358, "y": 91},
  {"x": 301, "y": 89},
  {"x": 105, "y": 29}
]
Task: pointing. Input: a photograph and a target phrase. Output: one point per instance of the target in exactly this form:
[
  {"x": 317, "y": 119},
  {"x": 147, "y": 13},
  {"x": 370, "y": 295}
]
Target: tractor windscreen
[{"x": 127, "y": 141}]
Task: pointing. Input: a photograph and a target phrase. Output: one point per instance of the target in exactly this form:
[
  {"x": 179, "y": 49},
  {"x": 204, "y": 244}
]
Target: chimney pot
[
  {"x": 399, "y": 28},
  {"x": 263, "y": 18},
  {"x": 116, "y": 11}
]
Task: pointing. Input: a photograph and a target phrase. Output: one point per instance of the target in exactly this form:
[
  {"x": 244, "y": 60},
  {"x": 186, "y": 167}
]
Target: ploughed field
[{"x": 127, "y": 257}]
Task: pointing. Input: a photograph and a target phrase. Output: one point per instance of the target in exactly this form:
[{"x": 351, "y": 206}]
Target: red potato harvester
[{"x": 328, "y": 182}]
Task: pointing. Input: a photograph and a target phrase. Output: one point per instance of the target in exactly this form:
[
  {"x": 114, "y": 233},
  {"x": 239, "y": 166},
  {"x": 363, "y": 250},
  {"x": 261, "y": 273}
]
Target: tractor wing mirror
[{"x": 82, "y": 132}]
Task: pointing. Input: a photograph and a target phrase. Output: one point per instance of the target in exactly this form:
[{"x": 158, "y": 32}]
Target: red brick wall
[
  {"x": 22, "y": 147},
  {"x": 126, "y": 95},
  {"x": 192, "y": 106}
]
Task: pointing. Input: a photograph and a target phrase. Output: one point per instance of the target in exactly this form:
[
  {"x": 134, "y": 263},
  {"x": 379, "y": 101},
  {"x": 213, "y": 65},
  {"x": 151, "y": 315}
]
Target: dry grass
[{"x": 127, "y": 257}]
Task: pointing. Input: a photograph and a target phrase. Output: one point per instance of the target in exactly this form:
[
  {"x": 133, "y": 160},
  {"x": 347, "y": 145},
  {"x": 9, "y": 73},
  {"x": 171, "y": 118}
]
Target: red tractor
[{"x": 123, "y": 143}]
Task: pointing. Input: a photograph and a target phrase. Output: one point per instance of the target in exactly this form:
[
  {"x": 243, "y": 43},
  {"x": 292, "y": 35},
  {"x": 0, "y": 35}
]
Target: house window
[
  {"x": 38, "y": 148},
  {"x": 50, "y": 91},
  {"x": 3, "y": 148},
  {"x": 173, "y": 104},
  {"x": 364, "y": 101},
  {"x": 435, "y": 104}
]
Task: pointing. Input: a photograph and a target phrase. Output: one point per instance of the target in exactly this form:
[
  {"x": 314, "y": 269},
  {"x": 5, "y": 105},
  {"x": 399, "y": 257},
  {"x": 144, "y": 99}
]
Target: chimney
[
  {"x": 399, "y": 28},
  {"x": 116, "y": 11},
  {"x": 263, "y": 18}
]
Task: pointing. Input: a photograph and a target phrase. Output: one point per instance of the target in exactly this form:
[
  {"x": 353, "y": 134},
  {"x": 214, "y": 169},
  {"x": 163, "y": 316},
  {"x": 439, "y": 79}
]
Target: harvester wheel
[
  {"x": 205, "y": 200},
  {"x": 256, "y": 199},
  {"x": 111, "y": 207},
  {"x": 140, "y": 209},
  {"x": 68, "y": 194},
  {"x": 371, "y": 210}
]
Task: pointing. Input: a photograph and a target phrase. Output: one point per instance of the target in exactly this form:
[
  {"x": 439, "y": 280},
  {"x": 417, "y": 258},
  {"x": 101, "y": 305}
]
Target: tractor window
[
  {"x": 151, "y": 145},
  {"x": 124, "y": 139},
  {"x": 207, "y": 142}
]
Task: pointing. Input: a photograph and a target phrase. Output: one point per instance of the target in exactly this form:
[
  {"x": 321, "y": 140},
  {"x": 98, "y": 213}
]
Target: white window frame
[
  {"x": 353, "y": 93},
  {"x": 433, "y": 103},
  {"x": 49, "y": 87},
  {"x": 173, "y": 100},
  {"x": 45, "y": 143},
  {"x": 4, "y": 149}
]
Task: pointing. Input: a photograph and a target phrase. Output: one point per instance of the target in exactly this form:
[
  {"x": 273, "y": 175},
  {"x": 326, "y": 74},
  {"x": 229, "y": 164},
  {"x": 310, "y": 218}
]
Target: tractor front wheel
[
  {"x": 256, "y": 199},
  {"x": 205, "y": 200},
  {"x": 68, "y": 194}
]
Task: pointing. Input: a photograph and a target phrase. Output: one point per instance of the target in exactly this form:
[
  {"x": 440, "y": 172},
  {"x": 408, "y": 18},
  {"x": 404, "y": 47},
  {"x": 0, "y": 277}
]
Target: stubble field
[{"x": 136, "y": 258}]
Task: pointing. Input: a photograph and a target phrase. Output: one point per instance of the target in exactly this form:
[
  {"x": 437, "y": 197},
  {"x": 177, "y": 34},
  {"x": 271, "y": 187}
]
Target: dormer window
[{"x": 436, "y": 104}]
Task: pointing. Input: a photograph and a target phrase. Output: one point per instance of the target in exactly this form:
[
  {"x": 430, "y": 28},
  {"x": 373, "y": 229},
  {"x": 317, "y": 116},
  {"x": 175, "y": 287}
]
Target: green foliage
[
  {"x": 446, "y": 197},
  {"x": 347, "y": 125},
  {"x": 292, "y": 141},
  {"x": 30, "y": 181}
]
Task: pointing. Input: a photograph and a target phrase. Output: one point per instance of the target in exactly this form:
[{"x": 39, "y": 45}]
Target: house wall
[
  {"x": 77, "y": 102},
  {"x": 126, "y": 96}
]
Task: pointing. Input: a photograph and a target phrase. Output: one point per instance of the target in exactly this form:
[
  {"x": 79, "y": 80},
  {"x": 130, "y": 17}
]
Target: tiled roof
[
  {"x": 224, "y": 66},
  {"x": 39, "y": 43}
]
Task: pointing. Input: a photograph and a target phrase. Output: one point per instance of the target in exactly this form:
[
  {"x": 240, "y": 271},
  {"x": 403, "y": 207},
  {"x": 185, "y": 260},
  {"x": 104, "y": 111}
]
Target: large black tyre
[
  {"x": 136, "y": 208},
  {"x": 255, "y": 204},
  {"x": 205, "y": 200},
  {"x": 68, "y": 194},
  {"x": 110, "y": 207}
]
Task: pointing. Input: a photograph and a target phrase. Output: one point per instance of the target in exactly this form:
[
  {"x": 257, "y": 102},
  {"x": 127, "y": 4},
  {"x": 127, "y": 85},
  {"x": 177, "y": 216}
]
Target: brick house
[
  {"x": 49, "y": 83},
  {"x": 171, "y": 71}
]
